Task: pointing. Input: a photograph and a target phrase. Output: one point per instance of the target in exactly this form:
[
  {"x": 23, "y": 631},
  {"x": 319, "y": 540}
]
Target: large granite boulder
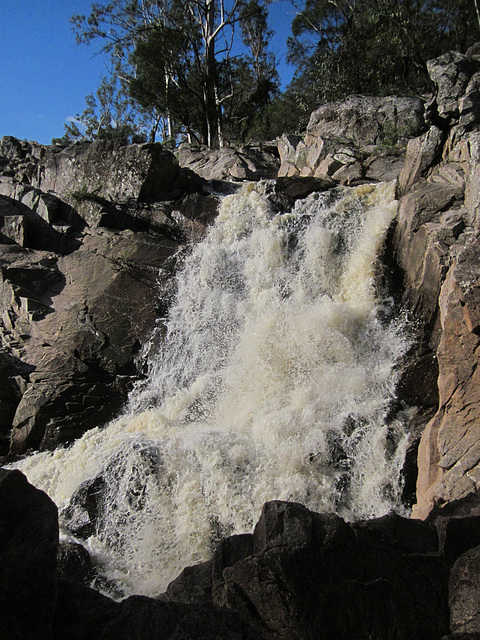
[
  {"x": 359, "y": 138},
  {"x": 452, "y": 73},
  {"x": 368, "y": 120},
  {"x": 228, "y": 164},
  {"x": 108, "y": 171}
]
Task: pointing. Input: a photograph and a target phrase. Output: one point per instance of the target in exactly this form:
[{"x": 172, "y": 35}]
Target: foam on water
[{"x": 275, "y": 381}]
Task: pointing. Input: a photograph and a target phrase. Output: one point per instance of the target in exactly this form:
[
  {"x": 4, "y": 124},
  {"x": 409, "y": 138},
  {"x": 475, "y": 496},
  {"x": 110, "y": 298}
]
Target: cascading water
[{"x": 275, "y": 380}]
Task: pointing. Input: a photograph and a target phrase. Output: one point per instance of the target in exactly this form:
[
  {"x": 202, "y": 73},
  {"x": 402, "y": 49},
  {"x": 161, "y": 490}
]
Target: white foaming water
[{"x": 275, "y": 381}]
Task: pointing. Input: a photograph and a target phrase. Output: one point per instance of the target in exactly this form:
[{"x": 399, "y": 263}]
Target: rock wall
[
  {"x": 88, "y": 241},
  {"x": 359, "y": 139},
  {"x": 436, "y": 245}
]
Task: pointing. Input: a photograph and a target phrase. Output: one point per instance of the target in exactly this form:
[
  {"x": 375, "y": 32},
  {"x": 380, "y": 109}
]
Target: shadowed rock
[
  {"x": 28, "y": 551},
  {"x": 304, "y": 575}
]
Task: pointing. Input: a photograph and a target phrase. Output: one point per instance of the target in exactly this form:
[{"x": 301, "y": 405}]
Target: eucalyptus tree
[
  {"x": 174, "y": 56},
  {"x": 257, "y": 79},
  {"x": 108, "y": 114}
]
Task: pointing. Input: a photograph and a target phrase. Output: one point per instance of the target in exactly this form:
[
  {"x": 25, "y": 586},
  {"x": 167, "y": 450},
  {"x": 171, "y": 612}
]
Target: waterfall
[{"x": 275, "y": 379}]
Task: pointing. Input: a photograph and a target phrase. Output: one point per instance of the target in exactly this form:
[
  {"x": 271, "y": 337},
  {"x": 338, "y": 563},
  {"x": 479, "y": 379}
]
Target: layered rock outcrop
[
  {"x": 88, "y": 239},
  {"x": 437, "y": 248},
  {"x": 252, "y": 162},
  {"x": 361, "y": 138}
]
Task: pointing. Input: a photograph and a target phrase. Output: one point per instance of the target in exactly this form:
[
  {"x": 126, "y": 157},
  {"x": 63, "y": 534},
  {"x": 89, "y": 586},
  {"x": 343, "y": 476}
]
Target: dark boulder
[
  {"x": 313, "y": 575},
  {"x": 74, "y": 563},
  {"x": 28, "y": 552},
  {"x": 35, "y": 604},
  {"x": 84, "y": 614},
  {"x": 464, "y": 593}
]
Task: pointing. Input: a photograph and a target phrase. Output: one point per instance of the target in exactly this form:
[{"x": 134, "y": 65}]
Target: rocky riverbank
[{"x": 89, "y": 238}]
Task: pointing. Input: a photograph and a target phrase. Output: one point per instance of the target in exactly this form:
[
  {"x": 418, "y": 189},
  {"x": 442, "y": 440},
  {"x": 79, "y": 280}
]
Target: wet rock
[
  {"x": 84, "y": 614},
  {"x": 99, "y": 504},
  {"x": 289, "y": 189},
  {"x": 85, "y": 507},
  {"x": 74, "y": 563},
  {"x": 194, "y": 584}
]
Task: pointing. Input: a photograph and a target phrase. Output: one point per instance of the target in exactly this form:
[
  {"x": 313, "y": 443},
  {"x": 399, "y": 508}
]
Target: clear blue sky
[{"x": 45, "y": 76}]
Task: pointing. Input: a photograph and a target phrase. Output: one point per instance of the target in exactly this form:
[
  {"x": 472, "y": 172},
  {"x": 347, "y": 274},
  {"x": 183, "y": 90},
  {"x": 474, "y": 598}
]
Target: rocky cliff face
[
  {"x": 361, "y": 138},
  {"x": 89, "y": 237},
  {"x": 436, "y": 245}
]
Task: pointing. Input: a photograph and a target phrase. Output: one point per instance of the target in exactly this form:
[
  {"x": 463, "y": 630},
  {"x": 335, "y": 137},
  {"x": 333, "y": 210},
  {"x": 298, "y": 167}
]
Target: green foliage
[
  {"x": 250, "y": 82},
  {"x": 174, "y": 64},
  {"x": 167, "y": 80},
  {"x": 173, "y": 76},
  {"x": 377, "y": 47},
  {"x": 85, "y": 195},
  {"x": 109, "y": 115}
]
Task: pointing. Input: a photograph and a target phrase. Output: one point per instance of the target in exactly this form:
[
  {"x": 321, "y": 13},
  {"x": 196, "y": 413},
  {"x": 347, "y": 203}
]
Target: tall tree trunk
[
  {"x": 167, "y": 102},
  {"x": 210, "y": 80},
  {"x": 477, "y": 9}
]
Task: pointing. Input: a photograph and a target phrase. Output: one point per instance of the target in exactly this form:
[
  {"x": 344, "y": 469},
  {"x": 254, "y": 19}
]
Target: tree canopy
[
  {"x": 378, "y": 47},
  {"x": 194, "y": 68},
  {"x": 201, "y": 70}
]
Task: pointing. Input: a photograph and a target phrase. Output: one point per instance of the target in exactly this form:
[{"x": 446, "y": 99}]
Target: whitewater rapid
[{"x": 275, "y": 379}]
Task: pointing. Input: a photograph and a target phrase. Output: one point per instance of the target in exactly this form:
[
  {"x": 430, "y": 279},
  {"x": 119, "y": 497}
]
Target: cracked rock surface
[{"x": 88, "y": 239}]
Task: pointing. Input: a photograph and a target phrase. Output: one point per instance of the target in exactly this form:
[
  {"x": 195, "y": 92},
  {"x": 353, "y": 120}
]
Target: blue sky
[{"x": 45, "y": 76}]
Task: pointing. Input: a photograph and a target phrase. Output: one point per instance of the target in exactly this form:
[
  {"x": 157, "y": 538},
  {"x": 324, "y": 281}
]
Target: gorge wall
[{"x": 90, "y": 236}]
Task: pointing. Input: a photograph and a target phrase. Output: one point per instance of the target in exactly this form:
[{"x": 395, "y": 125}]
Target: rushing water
[{"x": 275, "y": 380}]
